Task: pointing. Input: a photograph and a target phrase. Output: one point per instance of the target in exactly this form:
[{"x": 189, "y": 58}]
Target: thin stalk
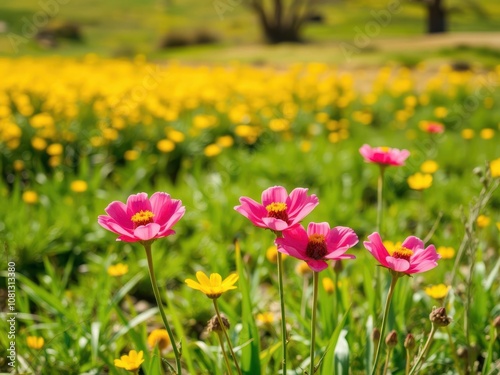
[
  {"x": 408, "y": 361},
  {"x": 147, "y": 247},
  {"x": 216, "y": 306},
  {"x": 395, "y": 278},
  {"x": 387, "y": 359},
  {"x": 305, "y": 287},
  {"x": 454, "y": 351},
  {"x": 313, "y": 321},
  {"x": 380, "y": 188},
  {"x": 282, "y": 305},
  {"x": 224, "y": 354},
  {"x": 424, "y": 351}
]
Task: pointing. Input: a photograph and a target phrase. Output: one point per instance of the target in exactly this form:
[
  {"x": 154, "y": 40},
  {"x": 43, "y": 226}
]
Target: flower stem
[
  {"x": 380, "y": 187},
  {"x": 424, "y": 351},
  {"x": 387, "y": 359},
  {"x": 408, "y": 361},
  {"x": 147, "y": 247},
  {"x": 216, "y": 306},
  {"x": 282, "y": 305},
  {"x": 221, "y": 342},
  {"x": 313, "y": 321},
  {"x": 395, "y": 278}
]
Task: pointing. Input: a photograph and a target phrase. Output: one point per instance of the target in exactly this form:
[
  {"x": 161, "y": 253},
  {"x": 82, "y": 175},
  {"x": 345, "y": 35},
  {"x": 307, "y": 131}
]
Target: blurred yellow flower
[
  {"x": 214, "y": 286},
  {"x": 446, "y": 252},
  {"x": 305, "y": 146},
  {"x": 303, "y": 269},
  {"x": 279, "y": 124},
  {"x": 483, "y": 221},
  {"x": 55, "y": 149},
  {"x": 265, "y": 318},
  {"x": 18, "y": 165},
  {"x": 429, "y": 166},
  {"x": 487, "y": 133},
  {"x": 495, "y": 168},
  {"x": 437, "y": 291},
  {"x": 159, "y": 337},
  {"x": 225, "y": 141},
  {"x": 419, "y": 181},
  {"x": 272, "y": 254},
  {"x": 498, "y": 225},
  {"x": 118, "y": 269},
  {"x": 212, "y": 150},
  {"x": 131, "y": 155},
  {"x": 54, "y": 161},
  {"x": 38, "y": 143},
  {"x": 175, "y": 135},
  {"x": 467, "y": 133},
  {"x": 30, "y": 197},
  {"x": 35, "y": 342},
  {"x": 130, "y": 362},
  {"x": 328, "y": 285},
  {"x": 165, "y": 145},
  {"x": 79, "y": 186},
  {"x": 440, "y": 112}
]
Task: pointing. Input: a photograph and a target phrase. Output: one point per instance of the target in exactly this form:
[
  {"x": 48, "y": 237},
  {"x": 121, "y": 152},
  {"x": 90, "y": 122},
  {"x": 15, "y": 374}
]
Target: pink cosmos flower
[
  {"x": 432, "y": 127},
  {"x": 278, "y": 210},
  {"x": 384, "y": 155},
  {"x": 143, "y": 219},
  {"x": 318, "y": 244},
  {"x": 411, "y": 257}
]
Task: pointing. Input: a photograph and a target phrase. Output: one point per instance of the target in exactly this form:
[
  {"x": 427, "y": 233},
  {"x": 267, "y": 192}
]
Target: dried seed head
[
  {"x": 409, "y": 342},
  {"x": 375, "y": 335},
  {"x": 213, "y": 324},
  {"x": 391, "y": 340},
  {"x": 439, "y": 318}
]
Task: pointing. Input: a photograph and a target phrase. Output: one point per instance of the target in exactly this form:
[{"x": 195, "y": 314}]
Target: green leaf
[
  {"x": 342, "y": 355},
  {"x": 327, "y": 361}
]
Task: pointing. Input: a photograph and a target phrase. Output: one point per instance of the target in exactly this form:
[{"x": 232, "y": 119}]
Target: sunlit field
[{"x": 79, "y": 133}]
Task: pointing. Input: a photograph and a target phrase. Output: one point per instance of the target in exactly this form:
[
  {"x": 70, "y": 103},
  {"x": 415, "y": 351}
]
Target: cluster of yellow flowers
[{"x": 47, "y": 104}]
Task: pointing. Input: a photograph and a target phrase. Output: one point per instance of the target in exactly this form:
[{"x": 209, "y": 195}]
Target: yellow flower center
[
  {"x": 142, "y": 218},
  {"x": 316, "y": 247},
  {"x": 278, "y": 211},
  {"x": 384, "y": 149},
  {"x": 400, "y": 253}
]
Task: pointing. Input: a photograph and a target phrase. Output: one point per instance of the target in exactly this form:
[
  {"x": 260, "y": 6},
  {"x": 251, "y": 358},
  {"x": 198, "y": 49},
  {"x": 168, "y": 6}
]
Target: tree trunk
[{"x": 436, "y": 17}]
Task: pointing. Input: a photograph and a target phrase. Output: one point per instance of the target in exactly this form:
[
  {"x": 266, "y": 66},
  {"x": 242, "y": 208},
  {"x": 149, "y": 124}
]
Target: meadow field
[{"x": 278, "y": 167}]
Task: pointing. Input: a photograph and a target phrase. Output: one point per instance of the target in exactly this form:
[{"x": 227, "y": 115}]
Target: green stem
[
  {"x": 216, "y": 306},
  {"x": 454, "y": 351},
  {"x": 147, "y": 247},
  {"x": 408, "y": 361},
  {"x": 313, "y": 321},
  {"x": 380, "y": 187},
  {"x": 387, "y": 359},
  {"x": 282, "y": 304},
  {"x": 395, "y": 278},
  {"x": 224, "y": 354},
  {"x": 424, "y": 351}
]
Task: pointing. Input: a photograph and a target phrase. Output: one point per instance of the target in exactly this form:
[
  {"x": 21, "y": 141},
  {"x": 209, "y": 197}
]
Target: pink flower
[
  {"x": 318, "y": 244},
  {"x": 142, "y": 219},
  {"x": 278, "y": 210},
  {"x": 411, "y": 257},
  {"x": 384, "y": 155},
  {"x": 432, "y": 127}
]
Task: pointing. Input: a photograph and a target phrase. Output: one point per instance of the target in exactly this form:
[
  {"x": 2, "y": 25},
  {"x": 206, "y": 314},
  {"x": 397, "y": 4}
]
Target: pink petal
[
  {"x": 167, "y": 211},
  {"x": 376, "y": 248},
  {"x": 165, "y": 232},
  {"x": 109, "y": 223},
  {"x": 176, "y": 212},
  {"x": 274, "y": 194},
  {"x": 299, "y": 205},
  {"x": 317, "y": 265},
  {"x": 128, "y": 239},
  {"x": 318, "y": 228},
  {"x": 413, "y": 243},
  {"x": 341, "y": 238},
  {"x": 138, "y": 202},
  {"x": 275, "y": 224},
  {"x": 400, "y": 265},
  {"x": 425, "y": 254},
  {"x": 367, "y": 152},
  {"x": 252, "y": 210},
  {"x": 294, "y": 242},
  {"x": 118, "y": 211},
  {"x": 339, "y": 254},
  {"x": 147, "y": 232},
  {"x": 423, "y": 266}
]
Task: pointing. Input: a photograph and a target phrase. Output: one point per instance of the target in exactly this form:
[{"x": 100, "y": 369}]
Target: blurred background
[{"x": 257, "y": 31}]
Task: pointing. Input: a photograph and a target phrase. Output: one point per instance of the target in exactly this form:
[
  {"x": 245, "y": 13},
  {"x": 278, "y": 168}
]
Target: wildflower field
[{"x": 300, "y": 219}]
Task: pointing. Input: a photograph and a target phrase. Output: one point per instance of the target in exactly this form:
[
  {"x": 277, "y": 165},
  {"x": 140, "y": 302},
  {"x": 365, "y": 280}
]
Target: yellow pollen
[
  {"x": 400, "y": 253},
  {"x": 277, "y": 210},
  {"x": 142, "y": 218},
  {"x": 384, "y": 149}
]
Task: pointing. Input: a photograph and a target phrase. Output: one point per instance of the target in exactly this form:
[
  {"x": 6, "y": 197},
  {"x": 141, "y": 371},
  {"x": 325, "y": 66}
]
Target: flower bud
[
  {"x": 439, "y": 318},
  {"x": 375, "y": 335},
  {"x": 337, "y": 266},
  {"x": 391, "y": 340},
  {"x": 496, "y": 324},
  {"x": 409, "y": 342},
  {"x": 213, "y": 324}
]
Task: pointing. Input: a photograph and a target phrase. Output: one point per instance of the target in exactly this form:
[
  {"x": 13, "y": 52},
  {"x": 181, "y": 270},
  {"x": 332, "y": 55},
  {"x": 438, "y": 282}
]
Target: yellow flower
[
  {"x": 175, "y": 135},
  {"x": 498, "y": 225},
  {"x": 446, "y": 252},
  {"x": 266, "y": 317},
  {"x": 130, "y": 362},
  {"x": 272, "y": 254},
  {"x": 225, "y": 141},
  {"x": 437, "y": 291},
  {"x": 429, "y": 166},
  {"x": 118, "y": 269},
  {"x": 214, "y": 286},
  {"x": 165, "y": 145},
  {"x": 18, "y": 165},
  {"x": 30, "y": 197},
  {"x": 328, "y": 285},
  {"x": 35, "y": 342},
  {"x": 419, "y": 181},
  {"x": 495, "y": 168},
  {"x": 303, "y": 269},
  {"x": 212, "y": 150},
  {"x": 487, "y": 133},
  {"x": 38, "y": 143},
  {"x": 79, "y": 186},
  {"x": 159, "y": 337},
  {"x": 483, "y": 221},
  {"x": 467, "y": 133},
  {"x": 55, "y": 149}
]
